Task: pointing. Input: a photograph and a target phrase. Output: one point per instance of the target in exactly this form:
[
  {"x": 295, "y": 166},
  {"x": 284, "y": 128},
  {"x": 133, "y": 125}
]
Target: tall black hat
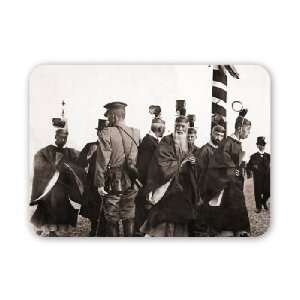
[
  {"x": 261, "y": 140},
  {"x": 102, "y": 123}
]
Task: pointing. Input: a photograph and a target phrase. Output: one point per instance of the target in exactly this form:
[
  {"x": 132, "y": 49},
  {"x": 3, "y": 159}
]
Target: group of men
[{"x": 163, "y": 185}]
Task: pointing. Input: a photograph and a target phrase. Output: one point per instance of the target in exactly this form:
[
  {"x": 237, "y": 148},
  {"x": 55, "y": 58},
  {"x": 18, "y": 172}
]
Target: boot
[
  {"x": 112, "y": 229},
  {"x": 128, "y": 227}
]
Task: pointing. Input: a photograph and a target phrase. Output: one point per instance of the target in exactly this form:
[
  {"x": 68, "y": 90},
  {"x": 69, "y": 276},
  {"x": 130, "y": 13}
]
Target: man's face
[
  {"x": 191, "y": 138},
  {"x": 61, "y": 139},
  {"x": 181, "y": 128},
  {"x": 111, "y": 118},
  {"x": 244, "y": 132},
  {"x": 161, "y": 131},
  {"x": 217, "y": 137},
  {"x": 261, "y": 148}
]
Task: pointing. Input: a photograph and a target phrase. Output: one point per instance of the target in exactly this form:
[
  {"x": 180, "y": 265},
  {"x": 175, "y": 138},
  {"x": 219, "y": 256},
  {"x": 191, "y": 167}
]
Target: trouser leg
[
  {"x": 128, "y": 227},
  {"x": 112, "y": 229},
  {"x": 258, "y": 200},
  {"x": 112, "y": 215},
  {"x": 127, "y": 212},
  {"x": 265, "y": 196}
]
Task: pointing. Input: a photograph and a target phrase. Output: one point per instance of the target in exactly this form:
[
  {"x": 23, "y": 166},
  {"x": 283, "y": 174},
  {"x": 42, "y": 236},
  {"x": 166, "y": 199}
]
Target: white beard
[{"x": 181, "y": 141}]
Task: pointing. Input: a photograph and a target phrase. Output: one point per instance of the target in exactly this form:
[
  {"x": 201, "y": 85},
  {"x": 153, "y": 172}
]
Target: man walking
[{"x": 259, "y": 165}]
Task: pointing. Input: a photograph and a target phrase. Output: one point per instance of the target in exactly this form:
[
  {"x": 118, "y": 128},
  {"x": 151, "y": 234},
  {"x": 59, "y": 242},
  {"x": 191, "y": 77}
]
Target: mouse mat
[{"x": 149, "y": 150}]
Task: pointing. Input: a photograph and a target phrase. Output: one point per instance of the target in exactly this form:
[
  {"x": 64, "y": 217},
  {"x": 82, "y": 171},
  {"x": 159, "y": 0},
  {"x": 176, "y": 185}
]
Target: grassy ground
[{"x": 259, "y": 222}]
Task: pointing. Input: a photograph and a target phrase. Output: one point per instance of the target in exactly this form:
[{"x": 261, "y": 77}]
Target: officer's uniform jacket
[{"x": 111, "y": 152}]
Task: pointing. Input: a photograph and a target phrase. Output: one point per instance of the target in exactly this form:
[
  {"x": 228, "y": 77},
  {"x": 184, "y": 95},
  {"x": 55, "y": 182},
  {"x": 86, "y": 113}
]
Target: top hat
[
  {"x": 102, "y": 123},
  {"x": 261, "y": 141}
]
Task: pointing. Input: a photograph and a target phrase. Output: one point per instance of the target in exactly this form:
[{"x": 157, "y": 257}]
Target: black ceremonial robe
[
  {"x": 92, "y": 204},
  {"x": 232, "y": 214},
  {"x": 178, "y": 205},
  {"x": 56, "y": 180},
  {"x": 145, "y": 153}
]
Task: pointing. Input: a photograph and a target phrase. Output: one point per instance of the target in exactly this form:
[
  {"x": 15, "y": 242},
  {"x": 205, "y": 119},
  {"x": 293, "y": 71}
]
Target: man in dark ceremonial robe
[
  {"x": 171, "y": 185},
  {"x": 208, "y": 215},
  {"x": 145, "y": 153},
  {"x": 92, "y": 208},
  {"x": 225, "y": 183},
  {"x": 56, "y": 180},
  {"x": 259, "y": 165}
]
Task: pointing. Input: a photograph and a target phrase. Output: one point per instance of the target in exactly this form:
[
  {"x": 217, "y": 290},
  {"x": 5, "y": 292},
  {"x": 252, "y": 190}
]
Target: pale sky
[{"x": 86, "y": 88}]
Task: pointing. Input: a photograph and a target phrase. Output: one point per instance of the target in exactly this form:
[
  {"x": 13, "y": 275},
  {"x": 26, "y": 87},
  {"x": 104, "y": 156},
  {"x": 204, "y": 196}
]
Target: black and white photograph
[{"x": 149, "y": 150}]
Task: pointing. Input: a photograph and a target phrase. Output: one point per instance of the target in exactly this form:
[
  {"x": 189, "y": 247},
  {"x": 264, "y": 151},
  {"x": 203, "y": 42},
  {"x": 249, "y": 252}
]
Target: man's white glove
[{"x": 101, "y": 191}]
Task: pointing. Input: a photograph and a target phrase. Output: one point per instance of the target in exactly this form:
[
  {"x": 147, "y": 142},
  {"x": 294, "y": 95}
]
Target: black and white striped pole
[{"x": 219, "y": 93}]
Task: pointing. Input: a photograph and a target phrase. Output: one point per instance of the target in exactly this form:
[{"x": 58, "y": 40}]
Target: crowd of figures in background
[{"x": 158, "y": 186}]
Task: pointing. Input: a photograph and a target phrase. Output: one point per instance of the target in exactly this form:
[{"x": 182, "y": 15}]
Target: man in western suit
[{"x": 259, "y": 165}]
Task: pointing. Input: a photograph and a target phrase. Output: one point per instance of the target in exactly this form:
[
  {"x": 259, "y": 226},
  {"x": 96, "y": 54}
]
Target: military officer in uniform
[
  {"x": 116, "y": 171},
  {"x": 259, "y": 165}
]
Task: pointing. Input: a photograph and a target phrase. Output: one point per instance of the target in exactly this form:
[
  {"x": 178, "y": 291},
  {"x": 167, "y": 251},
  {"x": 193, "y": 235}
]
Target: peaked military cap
[{"x": 116, "y": 104}]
